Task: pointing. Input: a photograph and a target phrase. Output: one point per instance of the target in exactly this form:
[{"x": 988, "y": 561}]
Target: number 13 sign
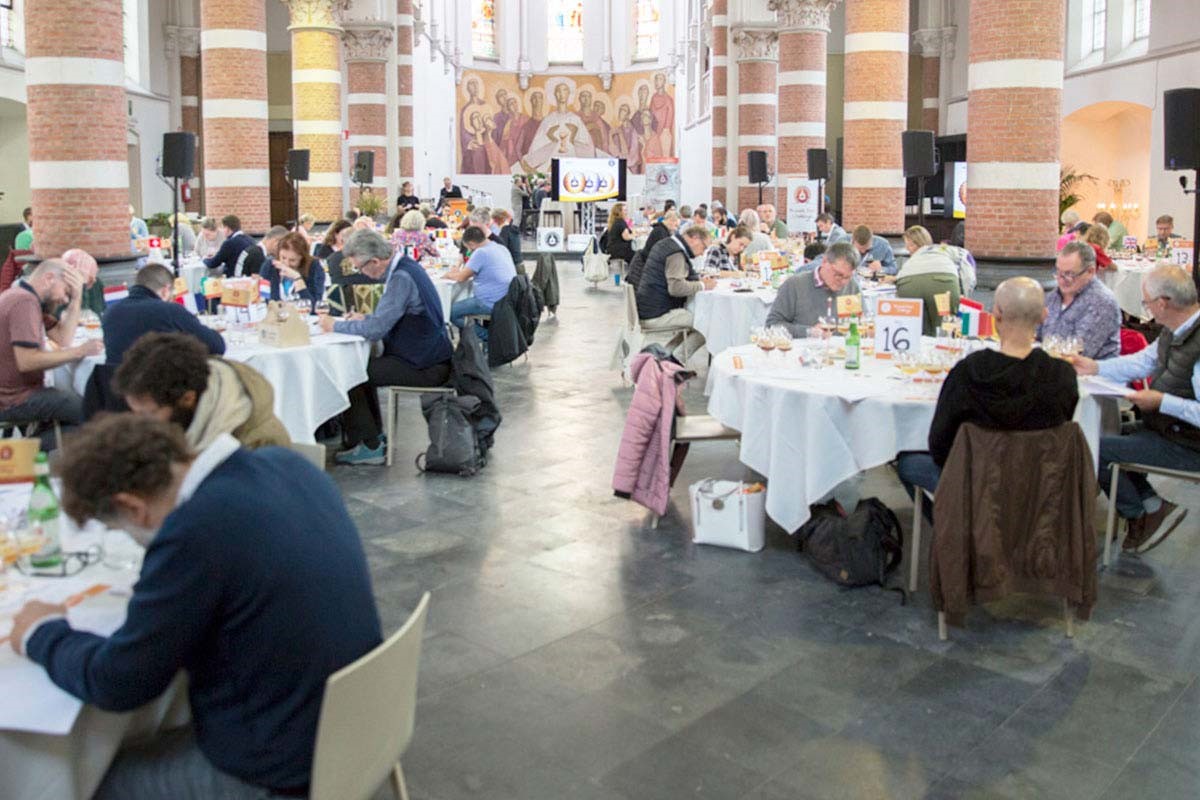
[{"x": 897, "y": 327}]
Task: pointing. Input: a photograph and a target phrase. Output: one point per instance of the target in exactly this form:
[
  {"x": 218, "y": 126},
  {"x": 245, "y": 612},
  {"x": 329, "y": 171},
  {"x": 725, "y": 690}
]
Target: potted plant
[
  {"x": 370, "y": 205},
  {"x": 1068, "y": 181}
]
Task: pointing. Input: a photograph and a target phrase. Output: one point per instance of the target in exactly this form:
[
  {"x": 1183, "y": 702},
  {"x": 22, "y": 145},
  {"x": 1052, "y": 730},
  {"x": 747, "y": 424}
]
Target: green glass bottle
[
  {"x": 853, "y": 347},
  {"x": 44, "y": 514}
]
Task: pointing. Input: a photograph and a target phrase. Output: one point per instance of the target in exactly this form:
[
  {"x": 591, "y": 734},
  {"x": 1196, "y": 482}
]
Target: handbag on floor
[
  {"x": 859, "y": 550},
  {"x": 728, "y": 514},
  {"x": 595, "y": 264}
]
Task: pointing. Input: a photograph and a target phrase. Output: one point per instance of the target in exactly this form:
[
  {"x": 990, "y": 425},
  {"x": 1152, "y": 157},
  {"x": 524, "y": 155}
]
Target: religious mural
[{"x": 505, "y": 130}]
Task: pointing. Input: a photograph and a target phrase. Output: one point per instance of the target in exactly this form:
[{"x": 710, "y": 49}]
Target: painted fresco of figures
[{"x": 503, "y": 129}]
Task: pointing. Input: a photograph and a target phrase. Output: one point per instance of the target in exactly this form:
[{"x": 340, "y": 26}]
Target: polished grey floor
[{"x": 571, "y": 652}]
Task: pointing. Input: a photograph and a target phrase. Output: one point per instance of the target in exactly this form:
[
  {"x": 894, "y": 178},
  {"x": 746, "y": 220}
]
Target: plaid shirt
[{"x": 718, "y": 258}]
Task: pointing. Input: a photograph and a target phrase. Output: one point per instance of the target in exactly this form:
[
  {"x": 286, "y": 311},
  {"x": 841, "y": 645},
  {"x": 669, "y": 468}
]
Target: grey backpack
[{"x": 453, "y": 446}]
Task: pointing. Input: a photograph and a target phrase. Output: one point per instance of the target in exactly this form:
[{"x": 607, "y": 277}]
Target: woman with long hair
[
  {"x": 618, "y": 239},
  {"x": 294, "y": 271}
]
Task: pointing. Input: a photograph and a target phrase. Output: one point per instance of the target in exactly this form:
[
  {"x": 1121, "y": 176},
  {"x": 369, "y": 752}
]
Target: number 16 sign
[{"x": 897, "y": 327}]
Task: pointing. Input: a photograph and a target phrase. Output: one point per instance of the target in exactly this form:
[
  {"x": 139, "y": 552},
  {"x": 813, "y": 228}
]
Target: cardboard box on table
[{"x": 284, "y": 326}]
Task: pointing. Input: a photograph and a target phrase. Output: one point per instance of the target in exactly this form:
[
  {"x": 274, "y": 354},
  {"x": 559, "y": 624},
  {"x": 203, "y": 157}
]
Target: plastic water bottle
[{"x": 44, "y": 516}]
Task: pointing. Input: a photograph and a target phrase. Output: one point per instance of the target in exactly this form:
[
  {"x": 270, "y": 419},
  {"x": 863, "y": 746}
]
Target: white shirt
[{"x": 1142, "y": 364}]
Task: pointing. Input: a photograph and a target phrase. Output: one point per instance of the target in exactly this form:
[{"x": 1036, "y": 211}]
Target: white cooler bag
[{"x": 726, "y": 516}]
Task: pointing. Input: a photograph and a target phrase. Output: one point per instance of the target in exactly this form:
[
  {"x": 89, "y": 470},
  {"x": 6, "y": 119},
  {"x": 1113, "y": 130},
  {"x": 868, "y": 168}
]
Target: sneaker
[{"x": 361, "y": 454}]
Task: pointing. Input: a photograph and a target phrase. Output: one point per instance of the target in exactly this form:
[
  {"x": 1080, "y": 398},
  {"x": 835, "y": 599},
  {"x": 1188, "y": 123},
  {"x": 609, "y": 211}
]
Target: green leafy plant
[
  {"x": 1069, "y": 181},
  {"x": 369, "y": 205},
  {"x": 159, "y": 224}
]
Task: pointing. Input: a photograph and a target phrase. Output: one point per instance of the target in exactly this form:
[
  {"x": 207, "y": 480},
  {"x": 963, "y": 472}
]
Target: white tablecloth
[
  {"x": 1126, "y": 283},
  {"x": 449, "y": 292},
  {"x": 192, "y": 271},
  {"x": 311, "y": 383},
  {"x": 809, "y": 430}
]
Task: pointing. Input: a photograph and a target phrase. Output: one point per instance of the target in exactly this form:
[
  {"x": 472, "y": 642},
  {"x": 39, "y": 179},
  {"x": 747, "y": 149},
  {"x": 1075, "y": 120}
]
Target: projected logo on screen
[{"x": 583, "y": 180}]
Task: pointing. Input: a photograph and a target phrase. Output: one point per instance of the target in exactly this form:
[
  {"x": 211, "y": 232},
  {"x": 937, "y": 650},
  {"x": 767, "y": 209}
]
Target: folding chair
[{"x": 1116, "y": 532}]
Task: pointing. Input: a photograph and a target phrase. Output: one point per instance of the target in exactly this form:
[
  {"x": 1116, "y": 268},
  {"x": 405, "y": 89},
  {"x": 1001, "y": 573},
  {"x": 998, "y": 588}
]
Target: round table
[
  {"x": 1125, "y": 281},
  {"x": 808, "y": 430}
]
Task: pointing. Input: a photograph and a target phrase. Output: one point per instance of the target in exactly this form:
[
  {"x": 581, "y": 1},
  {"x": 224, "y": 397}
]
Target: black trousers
[{"x": 363, "y": 421}]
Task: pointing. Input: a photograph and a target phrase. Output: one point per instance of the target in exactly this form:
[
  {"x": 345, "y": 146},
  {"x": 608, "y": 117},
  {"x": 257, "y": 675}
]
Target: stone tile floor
[{"x": 571, "y": 652}]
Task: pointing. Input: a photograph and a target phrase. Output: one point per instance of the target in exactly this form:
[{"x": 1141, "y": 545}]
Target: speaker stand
[
  {"x": 1195, "y": 225},
  {"x": 921, "y": 200},
  {"x": 175, "y": 223},
  {"x": 296, "y": 204},
  {"x": 760, "y": 188}
]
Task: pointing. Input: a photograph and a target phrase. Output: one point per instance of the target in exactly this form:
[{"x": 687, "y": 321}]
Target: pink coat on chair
[{"x": 643, "y": 471}]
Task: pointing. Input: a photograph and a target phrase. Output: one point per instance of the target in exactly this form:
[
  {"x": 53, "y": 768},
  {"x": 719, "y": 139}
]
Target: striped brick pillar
[
  {"x": 757, "y": 52},
  {"x": 233, "y": 110},
  {"x": 75, "y": 87},
  {"x": 720, "y": 100},
  {"x": 404, "y": 87},
  {"x": 366, "y": 49},
  {"x": 317, "y": 102},
  {"x": 876, "y": 113},
  {"x": 1014, "y": 114},
  {"x": 928, "y": 43},
  {"x": 803, "y": 35},
  {"x": 189, "y": 90}
]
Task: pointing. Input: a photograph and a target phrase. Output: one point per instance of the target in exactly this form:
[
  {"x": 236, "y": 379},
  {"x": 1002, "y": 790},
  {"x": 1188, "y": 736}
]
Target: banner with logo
[
  {"x": 662, "y": 181},
  {"x": 803, "y": 196}
]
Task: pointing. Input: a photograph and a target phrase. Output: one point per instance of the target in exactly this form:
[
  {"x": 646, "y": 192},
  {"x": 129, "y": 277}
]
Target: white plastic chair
[
  {"x": 697, "y": 428},
  {"x": 367, "y": 718}
]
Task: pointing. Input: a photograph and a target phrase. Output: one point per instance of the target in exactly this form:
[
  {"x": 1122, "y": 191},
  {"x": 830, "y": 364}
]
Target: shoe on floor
[
  {"x": 1161, "y": 530},
  {"x": 361, "y": 454},
  {"x": 1144, "y": 527}
]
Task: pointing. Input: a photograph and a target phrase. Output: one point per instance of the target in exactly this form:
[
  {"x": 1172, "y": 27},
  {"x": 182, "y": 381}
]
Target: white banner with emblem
[{"x": 803, "y": 196}]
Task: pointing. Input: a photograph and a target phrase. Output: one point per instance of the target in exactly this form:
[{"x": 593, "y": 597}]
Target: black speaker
[
  {"x": 179, "y": 155},
  {"x": 1181, "y": 128},
  {"x": 919, "y": 160},
  {"x": 756, "y": 165},
  {"x": 297, "y": 165},
  {"x": 364, "y": 166},
  {"x": 818, "y": 164}
]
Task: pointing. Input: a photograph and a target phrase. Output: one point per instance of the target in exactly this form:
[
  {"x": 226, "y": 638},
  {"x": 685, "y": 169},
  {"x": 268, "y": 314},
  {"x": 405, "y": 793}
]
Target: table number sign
[
  {"x": 1181, "y": 253},
  {"x": 897, "y": 326},
  {"x": 849, "y": 305}
]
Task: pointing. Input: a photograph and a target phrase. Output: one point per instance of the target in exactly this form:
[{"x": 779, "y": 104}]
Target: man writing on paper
[
  {"x": 807, "y": 296},
  {"x": 1169, "y": 432}
]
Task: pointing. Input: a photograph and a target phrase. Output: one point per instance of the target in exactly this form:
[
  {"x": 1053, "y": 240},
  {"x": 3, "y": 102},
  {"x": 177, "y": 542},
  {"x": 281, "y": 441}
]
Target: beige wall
[
  {"x": 1111, "y": 140},
  {"x": 279, "y": 90}
]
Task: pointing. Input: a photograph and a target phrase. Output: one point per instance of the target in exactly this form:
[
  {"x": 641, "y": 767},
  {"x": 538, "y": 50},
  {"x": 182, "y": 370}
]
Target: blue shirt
[
  {"x": 1136, "y": 366},
  {"x": 494, "y": 271},
  {"x": 882, "y": 252},
  {"x": 1094, "y": 316}
]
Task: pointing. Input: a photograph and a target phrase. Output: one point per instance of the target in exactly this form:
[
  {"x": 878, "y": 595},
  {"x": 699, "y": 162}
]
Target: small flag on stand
[{"x": 114, "y": 293}]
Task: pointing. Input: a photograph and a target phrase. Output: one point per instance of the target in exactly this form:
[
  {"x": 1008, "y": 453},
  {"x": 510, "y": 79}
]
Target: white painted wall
[
  {"x": 433, "y": 120},
  {"x": 14, "y": 154}
]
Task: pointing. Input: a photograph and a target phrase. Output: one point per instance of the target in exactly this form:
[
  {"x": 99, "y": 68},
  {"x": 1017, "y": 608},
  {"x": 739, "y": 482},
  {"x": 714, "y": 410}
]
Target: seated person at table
[
  {"x": 209, "y": 241},
  {"x": 24, "y": 396},
  {"x": 807, "y": 296},
  {"x": 411, "y": 238},
  {"x": 1165, "y": 236},
  {"x": 150, "y": 307},
  {"x": 668, "y": 281},
  {"x": 723, "y": 256},
  {"x": 224, "y": 262},
  {"x": 1069, "y": 219},
  {"x": 1168, "y": 434},
  {"x": 407, "y": 201},
  {"x": 1116, "y": 229},
  {"x": 330, "y": 248},
  {"x": 662, "y": 229},
  {"x": 928, "y": 272},
  {"x": 93, "y": 288},
  {"x": 507, "y": 234},
  {"x": 170, "y": 376},
  {"x": 876, "y": 253},
  {"x": 293, "y": 264},
  {"x": 491, "y": 268},
  {"x": 254, "y": 585},
  {"x": 830, "y": 231},
  {"x": 257, "y": 258},
  {"x": 1082, "y": 306},
  {"x": 618, "y": 239},
  {"x": 1018, "y": 388},
  {"x": 1097, "y": 237},
  {"x": 432, "y": 220},
  {"x": 772, "y": 225},
  {"x": 408, "y": 320},
  {"x": 760, "y": 240}
]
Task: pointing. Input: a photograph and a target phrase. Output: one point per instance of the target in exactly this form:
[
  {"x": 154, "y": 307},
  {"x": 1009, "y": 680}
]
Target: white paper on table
[{"x": 1099, "y": 387}]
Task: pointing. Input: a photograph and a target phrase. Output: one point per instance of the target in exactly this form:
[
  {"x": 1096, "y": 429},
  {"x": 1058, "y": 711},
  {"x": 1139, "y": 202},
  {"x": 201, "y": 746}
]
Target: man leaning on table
[
  {"x": 150, "y": 307},
  {"x": 668, "y": 281},
  {"x": 1168, "y": 434},
  {"x": 254, "y": 584},
  {"x": 876, "y": 253},
  {"x": 807, "y": 296},
  {"x": 1082, "y": 306},
  {"x": 830, "y": 231}
]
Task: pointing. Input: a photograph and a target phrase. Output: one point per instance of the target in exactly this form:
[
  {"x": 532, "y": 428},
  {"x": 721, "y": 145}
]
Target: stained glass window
[
  {"x": 645, "y": 30},
  {"x": 483, "y": 29},
  {"x": 564, "y": 39}
]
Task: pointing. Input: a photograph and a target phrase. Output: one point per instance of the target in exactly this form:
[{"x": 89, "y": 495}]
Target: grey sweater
[{"x": 801, "y": 303}]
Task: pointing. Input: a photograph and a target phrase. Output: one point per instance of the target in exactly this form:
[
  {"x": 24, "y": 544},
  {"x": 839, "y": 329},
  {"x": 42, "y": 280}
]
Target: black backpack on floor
[
  {"x": 453, "y": 443},
  {"x": 859, "y": 550}
]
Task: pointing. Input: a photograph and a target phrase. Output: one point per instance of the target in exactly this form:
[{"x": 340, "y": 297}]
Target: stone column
[
  {"x": 233, "y": 83},
  {"x": 78, "y": 163},
  {"x": 1014, "y": 117},
  {"x": 758, "y": 61},
  {"x": 317, "y": 102},
  {"x": 720, "y": 100},
  {"x": 876, "y": 113},
  {"x": 929, "y": 44},
  {"x": 404, "y": 88},
  {"x": 366, "y": 51},
  {"x": 803, "y": 35},
  {"x": 186, "y": 42}
]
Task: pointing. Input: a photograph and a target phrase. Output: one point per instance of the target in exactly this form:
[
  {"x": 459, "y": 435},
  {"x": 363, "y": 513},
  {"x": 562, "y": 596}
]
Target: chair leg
[
  {"x": 58, "y": 435},
  {"x": 942, "y": 635},
  {"x": 915, "y": 555},
  {"x": 389, "y": 427},
  {"x": 398, "y": 785},
  {"x": 654, "y": 522},
  {"x": 1110, "y": 529},
  {"x": 1069, "y": 618}
]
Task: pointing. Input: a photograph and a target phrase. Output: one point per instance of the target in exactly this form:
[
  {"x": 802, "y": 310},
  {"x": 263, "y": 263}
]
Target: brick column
[
  {"x": 404, "y": 88},
  {"x": 78, "y": 164},
  {"x": 366, "y": 52},
  {"x": 758, "y": 61},
  {"x": 876, "y": 113},
  {"x": 189, "y": 90},
  {"x": 317, "y": 102},
  {"x": 803, "y": 34},
  {"x": 720, "y": 100},
  {"x": 1014, "y": 114},
  {"x": 233, "y": 83}
]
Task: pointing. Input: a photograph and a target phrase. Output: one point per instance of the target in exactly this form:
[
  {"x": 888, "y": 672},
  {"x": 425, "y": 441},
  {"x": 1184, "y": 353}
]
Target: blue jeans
[
  {"x": 1140, "y": 447},
  {"x": 470, "y": 305},
  {"x": 918, "y": 469}
]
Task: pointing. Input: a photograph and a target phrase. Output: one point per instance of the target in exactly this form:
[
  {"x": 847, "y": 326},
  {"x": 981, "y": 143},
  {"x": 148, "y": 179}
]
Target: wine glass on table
[{"x": 782, "y": 338}]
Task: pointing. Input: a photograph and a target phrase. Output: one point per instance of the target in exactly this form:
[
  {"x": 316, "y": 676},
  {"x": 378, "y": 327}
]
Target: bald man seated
[{"x": 1017, "y": 388}]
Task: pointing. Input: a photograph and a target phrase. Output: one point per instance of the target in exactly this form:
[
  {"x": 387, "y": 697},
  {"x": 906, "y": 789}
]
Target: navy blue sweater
[
  {"x": 257, "y": 586},
  {"x": 227, "y": 255},
  {"x": 145, "y": 312}
]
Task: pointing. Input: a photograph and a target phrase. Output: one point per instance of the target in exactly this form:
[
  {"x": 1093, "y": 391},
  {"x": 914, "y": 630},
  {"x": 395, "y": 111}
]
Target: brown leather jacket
[{"x": 1013, "y": 514}]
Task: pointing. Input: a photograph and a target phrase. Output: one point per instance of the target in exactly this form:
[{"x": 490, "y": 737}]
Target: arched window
[
  {"x": 12, "y": 33},
  {"x": 483, "y": 29},
  {"x": 564, "y": 39},
  {"x": 1141, "y": 19},
  {"x": 645, "y": 30}
]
